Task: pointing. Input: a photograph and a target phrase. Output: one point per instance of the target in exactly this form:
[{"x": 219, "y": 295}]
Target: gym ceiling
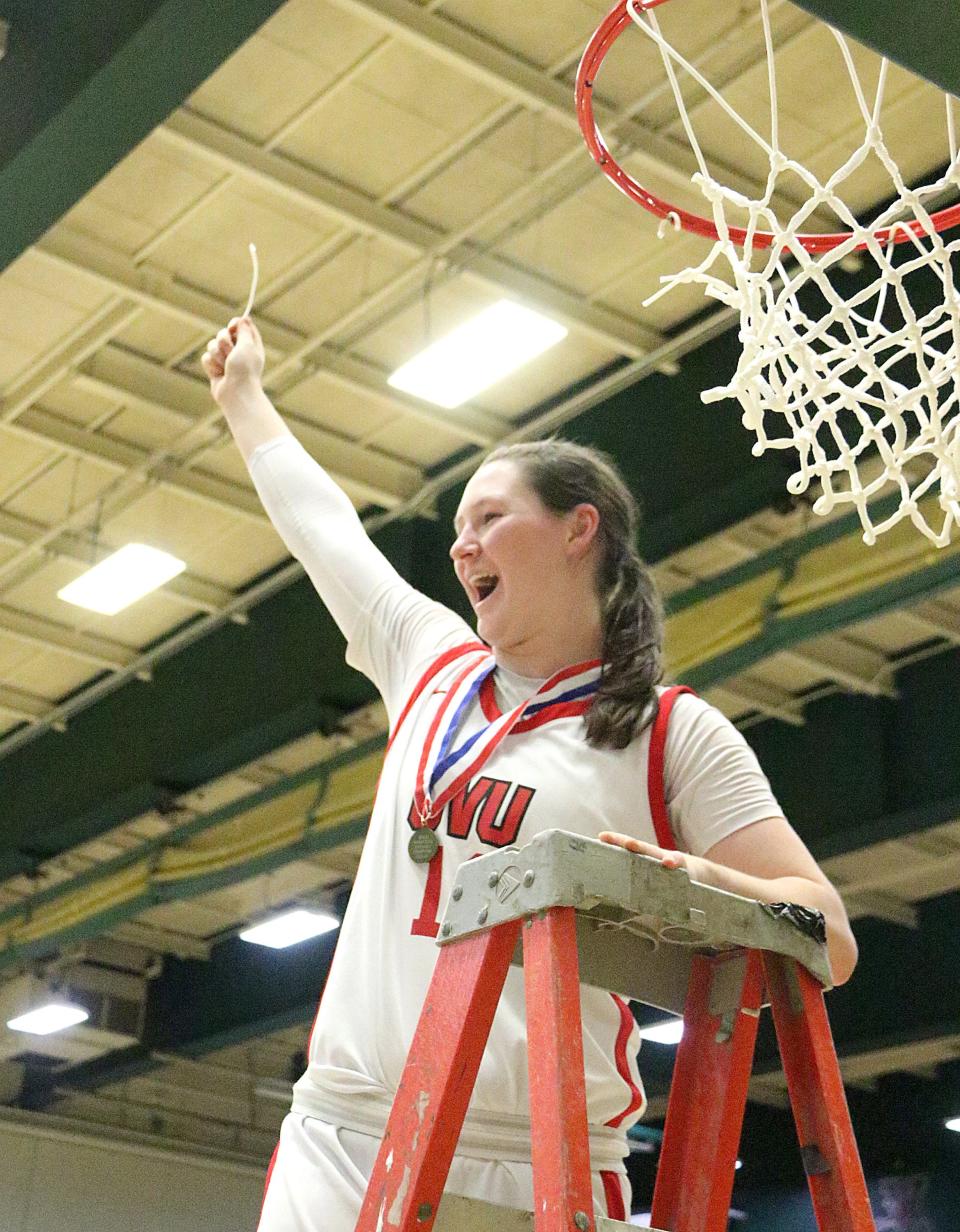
[{"x": 170, "y": 773}]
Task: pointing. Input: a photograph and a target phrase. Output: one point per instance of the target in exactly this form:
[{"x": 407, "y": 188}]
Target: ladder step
[{"x": 458, "y": 1214}]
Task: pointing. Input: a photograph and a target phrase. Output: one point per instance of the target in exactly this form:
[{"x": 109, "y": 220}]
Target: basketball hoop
[{"x": 836, "y": 378}]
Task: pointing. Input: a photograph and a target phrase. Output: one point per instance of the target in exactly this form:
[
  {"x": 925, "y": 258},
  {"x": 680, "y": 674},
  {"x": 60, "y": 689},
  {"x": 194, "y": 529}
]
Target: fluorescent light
[
  {"x": 122, "y": 578},
  {"x": 477, "y": 354},
  {"x": 290, "y": 928},
  {"x": 738, "y": 1165},
  {"x": 954, "y": 1124},
  {"x": 667, "y": 1032},
  {"x": 46, "y": 1019}
]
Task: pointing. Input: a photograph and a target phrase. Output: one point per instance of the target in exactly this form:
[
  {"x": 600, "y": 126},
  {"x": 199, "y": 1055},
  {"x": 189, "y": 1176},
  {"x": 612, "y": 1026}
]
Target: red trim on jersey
[
  {"x": 438, "y": 665},
  {"x": 613, "y": 1194},
  {"x": 488, "y": 700},
  {"x": 623, "y": 1066},
  {"x": 266, "y": 1183},
  {"x": 655, "y": 787},
  {"x": 561, "y": 710},
  {"x": 492, "y": 712}
]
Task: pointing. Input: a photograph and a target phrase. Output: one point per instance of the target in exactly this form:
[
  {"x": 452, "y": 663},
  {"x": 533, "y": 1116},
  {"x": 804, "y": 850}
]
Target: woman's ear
[{"x": 583, "y": 522}]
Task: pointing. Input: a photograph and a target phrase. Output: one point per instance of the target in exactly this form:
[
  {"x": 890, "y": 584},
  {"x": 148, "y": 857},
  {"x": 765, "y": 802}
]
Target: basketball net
[{"x": 866, "y": 389}]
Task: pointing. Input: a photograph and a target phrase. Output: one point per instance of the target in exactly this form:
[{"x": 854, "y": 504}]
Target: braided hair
[{"x": 564, "y": 475}]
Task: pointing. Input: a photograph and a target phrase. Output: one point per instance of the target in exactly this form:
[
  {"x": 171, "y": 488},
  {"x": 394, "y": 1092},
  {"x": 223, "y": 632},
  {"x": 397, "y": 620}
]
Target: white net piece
[{"x": 866, "y": 389}]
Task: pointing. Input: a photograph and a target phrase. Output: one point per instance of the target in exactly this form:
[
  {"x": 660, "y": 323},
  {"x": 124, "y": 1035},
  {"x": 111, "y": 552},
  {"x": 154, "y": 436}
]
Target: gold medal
[{"x": 423, "y": 845}]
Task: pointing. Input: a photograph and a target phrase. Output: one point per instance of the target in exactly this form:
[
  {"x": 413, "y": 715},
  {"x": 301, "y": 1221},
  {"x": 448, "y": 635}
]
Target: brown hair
[{"x": 564, "y": 475}]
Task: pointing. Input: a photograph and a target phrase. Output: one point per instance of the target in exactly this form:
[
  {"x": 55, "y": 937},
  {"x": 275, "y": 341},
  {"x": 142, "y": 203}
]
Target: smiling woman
[{"x": 543, "y": 718}]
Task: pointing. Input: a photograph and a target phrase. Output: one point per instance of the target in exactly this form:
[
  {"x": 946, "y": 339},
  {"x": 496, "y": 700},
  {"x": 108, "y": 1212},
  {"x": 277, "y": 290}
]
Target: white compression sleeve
[{"x": 320, "y": 527}]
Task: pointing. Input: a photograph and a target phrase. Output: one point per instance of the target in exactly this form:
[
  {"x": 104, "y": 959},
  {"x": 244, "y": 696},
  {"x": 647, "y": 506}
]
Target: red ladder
[{"x": 707, "y": 1098}]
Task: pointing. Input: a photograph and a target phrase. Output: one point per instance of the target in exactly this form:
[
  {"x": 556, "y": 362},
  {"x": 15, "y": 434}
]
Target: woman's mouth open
[{"x": 483, "y": 587}]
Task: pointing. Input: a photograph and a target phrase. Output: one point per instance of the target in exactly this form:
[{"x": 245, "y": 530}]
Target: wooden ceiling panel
[
  {"x": 427, "y": 316},
  {"x": 209, "y": 250},
  {"x": 16, "y": 357},
  {"x": 636, "y": 281},
  {"x": 162, "y": 337},
  {"x": 581, "y": 242},
  {"x": 32, "y": 324},
  {"x": 365, "y": 141},
  {"x": 14, "y": 654},
  {"x": 195, "y": 531},
  {"x": 76, "y": 404},
  {"x": 405, "y": 438},
  {"x": 420, "y": 84},
  {"x": 143, "y": 427},
  {"x": 144, "y": 194},
  {"x": 489, "y": 171},
  {"x": 333, "y": 286},
  {"x": 69, "y": 483},
  {"x": 20, "y": 458},
  {"x": 545, "y": 377},
  {"x": 50, "y": 674},
  {"x": 541, "y": 36},
  {"x": 189, "y": 918},
  {"x": 324, "y": 401},
  {"x": 326, "y": 34},
  {"x": 261, "y": 88},
  {"x": 71, "y": 287}
]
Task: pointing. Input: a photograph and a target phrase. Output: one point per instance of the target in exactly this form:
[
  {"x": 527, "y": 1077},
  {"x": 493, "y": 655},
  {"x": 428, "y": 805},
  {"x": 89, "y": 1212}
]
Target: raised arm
[{"x": 311, "y": 513}]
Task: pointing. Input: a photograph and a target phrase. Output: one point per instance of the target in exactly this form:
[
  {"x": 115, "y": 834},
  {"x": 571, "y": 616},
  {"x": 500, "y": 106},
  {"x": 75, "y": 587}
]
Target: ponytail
[
  {"x": 632, "y": 656},
  {"x": 564, "y": 475}
]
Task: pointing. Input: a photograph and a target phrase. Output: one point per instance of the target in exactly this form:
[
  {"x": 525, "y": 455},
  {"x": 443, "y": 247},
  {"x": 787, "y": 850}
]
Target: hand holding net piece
[
  {"x": 254, "y": 279},
  {"x": 866, "y": 389}
]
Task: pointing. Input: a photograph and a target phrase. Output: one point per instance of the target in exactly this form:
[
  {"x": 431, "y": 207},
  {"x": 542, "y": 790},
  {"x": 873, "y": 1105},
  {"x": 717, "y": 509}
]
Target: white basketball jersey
[{"x": 542, "y": 775}]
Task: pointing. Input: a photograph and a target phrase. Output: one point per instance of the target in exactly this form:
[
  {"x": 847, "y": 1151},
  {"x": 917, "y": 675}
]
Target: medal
[
  {"x": 423, "y": 845},
  {"x": 460, "y": 739}
]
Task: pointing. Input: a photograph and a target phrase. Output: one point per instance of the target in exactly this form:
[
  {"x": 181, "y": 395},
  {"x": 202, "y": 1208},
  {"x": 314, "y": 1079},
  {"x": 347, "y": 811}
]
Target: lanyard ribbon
[{"x": 446, "y": 767}]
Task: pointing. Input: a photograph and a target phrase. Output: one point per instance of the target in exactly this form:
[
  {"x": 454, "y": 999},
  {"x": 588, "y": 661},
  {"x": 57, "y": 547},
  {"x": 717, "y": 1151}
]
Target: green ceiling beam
[
  {"x": 781, "y": 632},
  {"x": 923, "y": 36},
  {"x": 90, "y": 85}
]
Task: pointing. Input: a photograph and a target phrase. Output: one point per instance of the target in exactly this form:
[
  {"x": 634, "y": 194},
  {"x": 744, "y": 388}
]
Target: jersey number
[{"x": 426, "y": 924}]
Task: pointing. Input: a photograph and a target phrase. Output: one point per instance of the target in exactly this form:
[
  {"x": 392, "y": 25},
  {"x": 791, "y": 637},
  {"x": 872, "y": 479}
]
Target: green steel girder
[
  {"x": 923, "y": 36},
  {"x": 82, "y": 85}
]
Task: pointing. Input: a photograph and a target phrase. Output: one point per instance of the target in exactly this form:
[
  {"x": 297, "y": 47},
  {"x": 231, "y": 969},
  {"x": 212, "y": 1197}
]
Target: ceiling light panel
[
  {"x": 290, "y": 929},
  {"x": 477, "y": 354},
  {"x": 46, "y": 1019},
  {"x": 121, "y": 578}
]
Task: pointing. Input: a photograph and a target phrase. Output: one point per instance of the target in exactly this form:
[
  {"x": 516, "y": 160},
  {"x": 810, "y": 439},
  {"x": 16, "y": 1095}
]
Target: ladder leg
[
  {"x": 431, "y": 1102},
  {"x": 562, "y": 1187},
  {"x": 708, "y": 1096},
  {"x": 829, "y": 1150}
]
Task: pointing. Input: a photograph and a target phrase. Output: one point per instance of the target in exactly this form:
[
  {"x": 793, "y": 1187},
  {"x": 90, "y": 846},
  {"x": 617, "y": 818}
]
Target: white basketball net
[{"x": 831, "y": 385}]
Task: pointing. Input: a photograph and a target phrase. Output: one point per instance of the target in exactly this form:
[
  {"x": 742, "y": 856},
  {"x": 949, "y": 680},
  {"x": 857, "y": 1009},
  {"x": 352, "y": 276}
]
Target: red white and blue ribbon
[{"x": 462, "y": 735}]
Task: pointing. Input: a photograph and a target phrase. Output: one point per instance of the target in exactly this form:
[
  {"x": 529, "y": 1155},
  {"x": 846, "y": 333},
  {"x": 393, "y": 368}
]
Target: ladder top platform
[{"x": 638, "y": 923}]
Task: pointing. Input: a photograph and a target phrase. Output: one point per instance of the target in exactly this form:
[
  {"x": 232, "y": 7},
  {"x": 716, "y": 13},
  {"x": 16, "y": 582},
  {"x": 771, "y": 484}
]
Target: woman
[{"x": 542, "y": 724}]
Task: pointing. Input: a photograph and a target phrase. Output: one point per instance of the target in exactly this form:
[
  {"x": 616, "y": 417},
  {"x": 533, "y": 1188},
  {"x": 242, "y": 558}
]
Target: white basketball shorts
[{"x": 319, "y": 1172}]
